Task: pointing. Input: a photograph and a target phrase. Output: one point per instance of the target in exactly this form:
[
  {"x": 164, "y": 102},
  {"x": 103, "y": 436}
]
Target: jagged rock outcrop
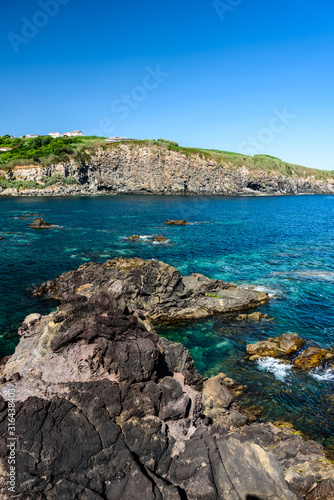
[
  {"x": 153, "y": 287},
  {"x": 107, "y": 410},
  {"x": 145, "y": 170}
]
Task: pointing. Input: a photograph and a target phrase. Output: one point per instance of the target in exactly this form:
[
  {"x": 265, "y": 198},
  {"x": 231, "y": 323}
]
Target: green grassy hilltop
[{"x": 44, "y": 151}]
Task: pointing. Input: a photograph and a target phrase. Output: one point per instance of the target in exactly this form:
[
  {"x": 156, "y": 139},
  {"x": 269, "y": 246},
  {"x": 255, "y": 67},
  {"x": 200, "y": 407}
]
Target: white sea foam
[
  {"x": 160, "y": 242},
  {"x": 279, "y": 369},
  {"x": 270, "y": 291},
  {"x": 323, "y": 374}
]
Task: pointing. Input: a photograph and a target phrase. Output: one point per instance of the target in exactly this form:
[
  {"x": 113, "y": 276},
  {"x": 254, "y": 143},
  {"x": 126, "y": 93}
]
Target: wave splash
[{"x": 279, "y": 369}]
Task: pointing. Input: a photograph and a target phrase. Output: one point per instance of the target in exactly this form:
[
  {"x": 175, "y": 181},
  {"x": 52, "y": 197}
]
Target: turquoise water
[{"x": 284, "y": 245}]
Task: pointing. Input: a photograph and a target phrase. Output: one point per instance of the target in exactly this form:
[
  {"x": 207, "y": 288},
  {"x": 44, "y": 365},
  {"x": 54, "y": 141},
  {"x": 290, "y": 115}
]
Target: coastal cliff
[
  {"x": 134, "y": 169},
  {"x": 105, "y": 409}
]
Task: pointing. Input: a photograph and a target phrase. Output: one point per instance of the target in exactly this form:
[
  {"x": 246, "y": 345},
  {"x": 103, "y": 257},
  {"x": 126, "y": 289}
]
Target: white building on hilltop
[{"x": 75, "y": 133}]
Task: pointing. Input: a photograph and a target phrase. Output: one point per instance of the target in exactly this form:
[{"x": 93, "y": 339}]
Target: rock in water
[
  {"x": 181, "y": 222},
  {"x": 153, "y": 287},
  {"x": 279, "y": 347},
  {"x": 40, "y": 224},
  {"x": 313, "y": 357},
  {"x": 160, "y": 239}
]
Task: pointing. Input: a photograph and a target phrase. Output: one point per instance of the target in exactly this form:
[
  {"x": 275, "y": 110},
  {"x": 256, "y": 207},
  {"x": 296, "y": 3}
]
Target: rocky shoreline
[
  {"x": 105, "y": 409},
  {"x": 129, "y": 169}
]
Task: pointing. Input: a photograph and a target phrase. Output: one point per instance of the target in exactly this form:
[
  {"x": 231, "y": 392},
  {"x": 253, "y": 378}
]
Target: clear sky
[{"x": 252, "y": 76}]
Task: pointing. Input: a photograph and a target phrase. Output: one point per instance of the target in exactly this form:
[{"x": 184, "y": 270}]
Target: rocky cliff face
[
  {"x": 145, "y": 170},
  {"x": 107, "y": 410}
]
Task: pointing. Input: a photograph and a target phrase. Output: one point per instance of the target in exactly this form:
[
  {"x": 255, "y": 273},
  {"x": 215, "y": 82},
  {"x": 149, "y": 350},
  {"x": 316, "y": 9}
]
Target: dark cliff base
[{"x": 105, "y": 409}]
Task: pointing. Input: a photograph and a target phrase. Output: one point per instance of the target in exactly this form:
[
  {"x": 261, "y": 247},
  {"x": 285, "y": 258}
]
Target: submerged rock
[
  {"x": 40, "y": 224},
  {"x": 255, "y": 316},
  {"x": 278, "y": 347},
  {"x": 180, "y": 222}
]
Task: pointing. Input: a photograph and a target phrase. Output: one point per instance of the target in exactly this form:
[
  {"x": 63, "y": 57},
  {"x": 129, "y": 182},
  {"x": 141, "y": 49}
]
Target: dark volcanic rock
[
  {"x": 105, "y": 409},
  {"x": 153, "y": 287},
  {"x": 40, "y": 224}
]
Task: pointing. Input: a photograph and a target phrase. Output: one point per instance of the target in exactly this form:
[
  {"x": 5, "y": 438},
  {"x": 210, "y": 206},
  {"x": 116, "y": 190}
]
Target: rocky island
[{"x": 105, "y": 409}]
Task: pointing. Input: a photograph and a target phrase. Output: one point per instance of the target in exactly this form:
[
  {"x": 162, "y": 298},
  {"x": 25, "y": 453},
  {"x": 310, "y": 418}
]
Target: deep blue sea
[{"x": 284, "y": 245}]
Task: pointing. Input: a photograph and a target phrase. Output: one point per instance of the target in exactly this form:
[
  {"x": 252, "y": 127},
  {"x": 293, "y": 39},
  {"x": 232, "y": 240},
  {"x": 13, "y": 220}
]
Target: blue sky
[{"x": 241, "y": 75}]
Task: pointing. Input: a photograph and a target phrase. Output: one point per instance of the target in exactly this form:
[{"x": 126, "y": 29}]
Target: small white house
[
  {"x": 54, "y": 135},
  {"x": 67, "y": 134},
  {"x": 75, "y": 133},
  {"x": 31, "y": 136},
  {"x": 6, "y": 149}
]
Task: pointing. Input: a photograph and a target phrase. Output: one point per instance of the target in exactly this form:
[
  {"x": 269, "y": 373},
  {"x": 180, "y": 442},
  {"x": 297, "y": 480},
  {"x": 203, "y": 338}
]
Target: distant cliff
[{"x": 144, "y": 169}]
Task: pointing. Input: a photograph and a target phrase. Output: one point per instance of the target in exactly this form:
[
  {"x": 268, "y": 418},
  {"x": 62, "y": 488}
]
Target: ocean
[{"x": 283, "y": 245}]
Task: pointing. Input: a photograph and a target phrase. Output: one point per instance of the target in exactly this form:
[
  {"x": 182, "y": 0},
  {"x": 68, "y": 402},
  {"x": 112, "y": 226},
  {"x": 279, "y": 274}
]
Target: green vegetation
[
  {"x": 54, "y": 179},
  {"x": 58, "y": 179},
  {"x": 18, "y": 184},
  {"x": 164, "y": 142},
  {"x": 44, "y": 151},
  {"x": 213, "y": 295}
]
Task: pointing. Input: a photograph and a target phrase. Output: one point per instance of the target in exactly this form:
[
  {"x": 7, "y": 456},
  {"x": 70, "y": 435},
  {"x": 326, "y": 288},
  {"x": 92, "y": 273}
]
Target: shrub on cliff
[
  {"x": 165, "y": 142},
  {"x": 56, "y": 178}
]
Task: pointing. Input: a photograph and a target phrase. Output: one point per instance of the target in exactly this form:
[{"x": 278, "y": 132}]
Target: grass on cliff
[
  {"x": 229, "y": 160},
  {"x": 21, "y": 184},
  {"x": 44, "y": 151}
]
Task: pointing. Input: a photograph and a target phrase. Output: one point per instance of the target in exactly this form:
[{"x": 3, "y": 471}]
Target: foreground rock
[
  {"x": 279, "y": 347},
  {"x": 181, "y": 222},
  {"x": 105, "y": 409},
  {"x": 153, "y": 287},
  {"x": 40, "y": 224}
]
